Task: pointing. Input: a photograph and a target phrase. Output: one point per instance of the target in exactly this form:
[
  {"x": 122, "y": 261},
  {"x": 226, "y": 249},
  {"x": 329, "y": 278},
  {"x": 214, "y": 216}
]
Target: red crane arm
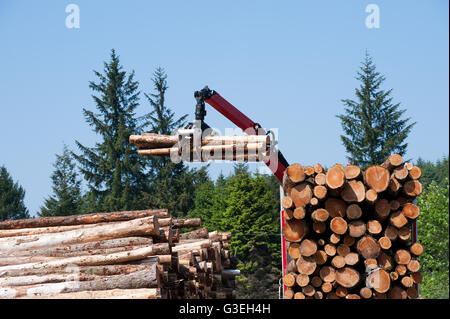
[{"x": 277, "y": 163}]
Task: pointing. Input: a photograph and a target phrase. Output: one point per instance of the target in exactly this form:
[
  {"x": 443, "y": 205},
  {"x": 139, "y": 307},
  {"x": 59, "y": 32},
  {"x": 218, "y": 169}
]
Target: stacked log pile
[
  {"x": 249, "y": 148},
  {"x": 349, "y": 231},
  {"x": 135, "y": 254}
]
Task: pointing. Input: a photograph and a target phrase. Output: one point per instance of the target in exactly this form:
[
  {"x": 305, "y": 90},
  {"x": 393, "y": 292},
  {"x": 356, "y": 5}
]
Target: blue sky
[{"x": 286, "y": 64}]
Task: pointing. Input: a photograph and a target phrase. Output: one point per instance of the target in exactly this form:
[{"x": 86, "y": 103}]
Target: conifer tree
[
  {"x": 172, "y": 185},
  {"x": 251, "y": 216},
  {"x": 66, "y": 198},
  {"x": 112, "y": 168},
  {"x": 437, "y": 171},
  {"x": 209, "y": 204},
  {"x": 12, "y": 195},
  {"x": 373, "y": 124}
]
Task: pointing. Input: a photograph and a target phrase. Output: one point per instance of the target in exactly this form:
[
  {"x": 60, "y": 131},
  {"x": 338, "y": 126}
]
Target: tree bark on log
[
  {"x": 134, "y": 227},
  {"x": 94, "y": 218},
  {"x": 143, "y": 293},
  {"x": 94, "y": 260},
  {"x": 148, "y": 278},
  {"x": 201, "y": 233},
  {"x": 187, "y": 223},
  {"x": 190, "y": 246},
  {"x": 105, "y": 270}
]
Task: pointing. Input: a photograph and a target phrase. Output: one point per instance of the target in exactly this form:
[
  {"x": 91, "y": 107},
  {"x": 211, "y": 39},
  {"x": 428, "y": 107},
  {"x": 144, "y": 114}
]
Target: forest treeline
[{"x": 109, "y": 175}]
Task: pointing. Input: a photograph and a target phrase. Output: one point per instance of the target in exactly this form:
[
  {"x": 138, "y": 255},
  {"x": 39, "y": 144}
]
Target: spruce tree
[
  {"x": 66, "y": 199},
  {"x": 112, "y": 168},
  {"x": 172, "y": 185},
  {"x": 374, "y": 126},
  {"x": 437, "y": 171},
  {"x": 251, "y": 215},
  {"x": 209, "y": 204},
  {"x": 12, "y": 195}
]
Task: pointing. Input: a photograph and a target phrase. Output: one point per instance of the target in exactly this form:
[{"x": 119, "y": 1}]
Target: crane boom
[{"x": 277, "y": 162}]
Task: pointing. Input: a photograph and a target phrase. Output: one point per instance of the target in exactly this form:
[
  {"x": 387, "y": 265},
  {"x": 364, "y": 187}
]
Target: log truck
[{"x": 277, "y": 163}]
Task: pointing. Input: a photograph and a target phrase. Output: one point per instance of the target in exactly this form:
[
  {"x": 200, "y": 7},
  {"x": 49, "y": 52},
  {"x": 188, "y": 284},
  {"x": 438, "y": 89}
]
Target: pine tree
[
  {"x": 437, "y": 171},
  {"x": 373, "y": 125},
  {"x": 12, "y": 195},
  {"x": 113, "y": 170},
  {"x": 172, "y": 185},
  {"x": 251, "y": 216},
  {"x": 66, "y": 199},
  {"x": 209, "y": 204}
]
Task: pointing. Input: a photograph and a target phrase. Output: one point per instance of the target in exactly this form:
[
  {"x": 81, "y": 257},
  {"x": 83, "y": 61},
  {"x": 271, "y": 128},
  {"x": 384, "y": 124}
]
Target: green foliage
[
  {"x": 247, "y": 206},
  {"x": 250, "y": 210},
  {"x": 12, "y": 195},
  {"x": 260, "y": 277},
  {"x": 433, "y": 234},
  {"x": 113, "y": 170},
  {"x": 252, "y": 218},
  {"x": 372, "y": 124},
  {"x": 172, "y": 185},
  {"x": 66, "y": 199},
  {"x": 209, "y": 204},
  {"x": 437, "y": 172}
]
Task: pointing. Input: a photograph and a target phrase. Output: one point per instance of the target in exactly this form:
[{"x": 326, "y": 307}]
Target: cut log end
[
  {"x": 377, "y": 178},
  {"x": 294, "y": 230},
  {"x": 335, "y": 177}
]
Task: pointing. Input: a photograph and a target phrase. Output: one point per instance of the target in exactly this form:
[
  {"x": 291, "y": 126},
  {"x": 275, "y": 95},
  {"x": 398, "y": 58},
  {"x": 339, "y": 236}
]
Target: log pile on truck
[
  {"x": 349, "y": 232},
  {"x": 118, "y": 255}
]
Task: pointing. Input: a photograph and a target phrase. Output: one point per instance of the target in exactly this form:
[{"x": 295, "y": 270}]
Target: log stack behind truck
[{"x": 134, "y": 254}]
